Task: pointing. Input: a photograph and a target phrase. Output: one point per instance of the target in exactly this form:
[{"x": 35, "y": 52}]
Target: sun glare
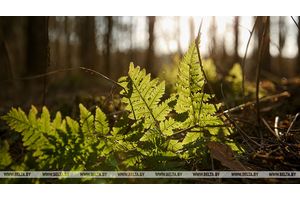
[{"x": 170, "y": 30}]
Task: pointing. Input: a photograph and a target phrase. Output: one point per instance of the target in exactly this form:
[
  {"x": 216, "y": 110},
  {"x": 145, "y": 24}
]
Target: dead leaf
[{"x": 225, "y": 155}]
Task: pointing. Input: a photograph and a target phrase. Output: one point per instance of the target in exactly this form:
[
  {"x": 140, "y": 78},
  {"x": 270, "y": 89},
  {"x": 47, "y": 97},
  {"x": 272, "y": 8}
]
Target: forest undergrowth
[{"x": 195, "y": 121}]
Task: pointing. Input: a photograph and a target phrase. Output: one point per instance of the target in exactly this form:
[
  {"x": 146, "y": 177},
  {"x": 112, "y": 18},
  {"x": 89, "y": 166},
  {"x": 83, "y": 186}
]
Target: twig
[
  {"x": 244, "y": 58},
  {"x": 223, "y": 96},
  {"x": 71, "y": 69},
  {"x": 295, "y": 23},
  {"x": 258, "y": 70},
  {"x": 276, "y": 127},
  {"x": 292, "y": 124},
  {"x": 64, "y": 70},
  {"x": 251, "y": 103},
  {"x": 197, "y": 41},
  {"x": 269, "y": 128}
]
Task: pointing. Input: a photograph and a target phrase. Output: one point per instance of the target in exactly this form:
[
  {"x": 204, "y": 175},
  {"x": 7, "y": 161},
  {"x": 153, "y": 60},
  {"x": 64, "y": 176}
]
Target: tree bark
[
  {"x": 67, "y": 42},
  {"x": 178, "y": 35},
  {"x": 264, "y": 42},
  {"x": 108, "y": 43},
  {"x": 213, "y": 34},
  {"x": 37, "y": 45},
  {"x": 6, "y": 72},
  {"x": 150, "y": 60},
  {"x": 88, "y": 47},
  {"x": 192, "y": 30},
  {"x": 281, "y": 38},
  {"x": 298, "y": 41}
]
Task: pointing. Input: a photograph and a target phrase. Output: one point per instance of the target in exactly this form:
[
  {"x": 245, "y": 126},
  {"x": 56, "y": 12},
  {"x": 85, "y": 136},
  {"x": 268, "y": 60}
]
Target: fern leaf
[
  {"x": 32, "y": 115},
  {"x": 5, "y": 158},
  {"x": 174, "y": 145},
  {"x": 101, "y": 123},
  {"x": 31, "y": 128},
  {"x": 58, "y": 123},
  {"x": 143, "y": 97},
  {"x": 168, "y": 126},
  {"x": 45, "y": 121},
  {"x": 86, "y": 121},
  {"x": 190, "y": 89},
  {"x": 190, "y": 84},
  {"x": 17, "y": 120},
  {"x": 191, "y": 137},
  {"x": 73, "y": 125}
]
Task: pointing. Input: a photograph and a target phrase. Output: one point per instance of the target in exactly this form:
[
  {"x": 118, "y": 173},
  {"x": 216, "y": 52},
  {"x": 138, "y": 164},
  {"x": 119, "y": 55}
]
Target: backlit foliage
[{"x": 156, "y": 130}]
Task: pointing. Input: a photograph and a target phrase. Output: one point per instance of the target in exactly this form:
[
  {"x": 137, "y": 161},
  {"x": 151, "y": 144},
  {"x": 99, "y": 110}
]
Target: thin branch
[
  {"x": 258, "y": 70},
  {"x": 295, "y": 23},
  {"x": 65, "y": 70},
  {"x": 269, "y": 128},
  {"x": 251, "y": 103},
  {"x": 244, "y": 58},
  {"x": 292, "y": 124},
  {"x": 76, "y": 68},
  {"x": 197, "y": 41}
]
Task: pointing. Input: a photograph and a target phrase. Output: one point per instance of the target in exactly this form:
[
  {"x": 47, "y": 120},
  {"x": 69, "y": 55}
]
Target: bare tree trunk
[
  {"x": 13, "y": 40},
  {"x": 213, "y": 34},
  {"x": 6, "y": 72},
  {"x": 178, "y": 35},
  {"x": 88, "y": 47},
  {"x": 67, "y": 40},
  {"x": 37, "y": 45},
  {"x": 236, "y": 58},
  {"x": 131, "y": 38},
  {"x": 264, "y": 41},
  {"x": 150, "y": 60},
  {"x": 298, "y": 41},
  {"x": 56, "y": 46},
  {"x": 192, "y": 29},
  {"x": 37, "y": 54},
  {"x": 282, "y": 37},
  {"x": 108, "y": 44}
]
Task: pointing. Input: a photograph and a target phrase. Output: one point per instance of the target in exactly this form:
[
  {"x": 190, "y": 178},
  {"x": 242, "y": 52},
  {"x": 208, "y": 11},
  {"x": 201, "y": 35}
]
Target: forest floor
[{"x": 270, "y": 138}]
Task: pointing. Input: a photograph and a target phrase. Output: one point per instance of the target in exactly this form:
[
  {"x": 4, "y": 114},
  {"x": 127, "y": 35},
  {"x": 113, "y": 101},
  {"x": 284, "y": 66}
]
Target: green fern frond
[
  {"x": 17, "y": 119},
  {"x": 61, "y": 143},
  {"x": 101, "y": 123},
  {"x": 93, "y": 125},
  {"x": 5, "y": 158},
  {"x": 190, "y": 89},
  {"x": 86, "y": 121},
  {"x": 143, "y": 97},
  {"x": 235, "y": 77},
  {"x": 190, "y": 84},
  {"x": 168, "y": 126},
  {"x": 31, "y": 128}
]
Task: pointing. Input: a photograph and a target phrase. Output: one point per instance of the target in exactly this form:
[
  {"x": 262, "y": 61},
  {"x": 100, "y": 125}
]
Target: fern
[
  {"x": 5, "y": 158},
  {"x": 235, "y": 78},
  {"x": 31, "y": 128},
  {"x": 192, "y": 99},
  {"x": 143, "y": 97},
  {"x": 61, "y": 143},
  {"x": 150, "y": 115},
  {"x": 157, "y": 131}
]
